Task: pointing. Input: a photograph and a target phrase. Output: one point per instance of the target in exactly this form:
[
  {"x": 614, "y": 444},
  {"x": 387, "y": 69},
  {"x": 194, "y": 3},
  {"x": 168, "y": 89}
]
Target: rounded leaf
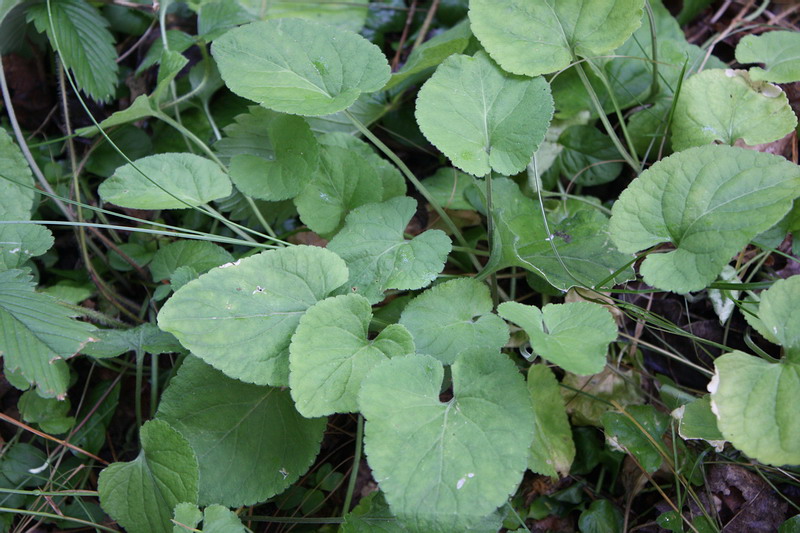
[
  {"x": 299, "y": 67},
  {"x": 779, "y": 51},
  {"x": 240, "y": 317},
  {"x": 482, "y": 118},
  {"x": 166, "y": 181},
  {"x": 445, "y": 465}
]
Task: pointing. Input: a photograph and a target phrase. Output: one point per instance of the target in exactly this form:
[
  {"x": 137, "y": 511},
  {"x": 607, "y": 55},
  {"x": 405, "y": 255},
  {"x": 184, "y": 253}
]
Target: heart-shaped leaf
[
  {"x": 445, "y": 465},
  {"x": 552, "y": 450},
  {"x": 452, "y": 318},
  {"x": 726, "y": 106},
  {"x": 779, "y": 51},
  {"x": 241, "y": 316},
  {"x": 166, "y": 181},
  {"x": 709, "y": 202},
  {"x": 533, "y": 38},
  {"x": 250, "y": 441},
  {"x": 20, "y": 242},
  {"x": 574, "y": 335},
  {"x": 380, "y": 258},
  {"x": 299, "y": 67},
  {"x": 200, "y": 255},
  {"x": 142, "y": 493},
  {"x": 482, "y": 118}
]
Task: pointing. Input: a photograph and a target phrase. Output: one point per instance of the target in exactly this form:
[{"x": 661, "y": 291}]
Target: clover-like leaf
[
  {"x": 38, "y": 334},
  {"x": 170, "y": 181},
  {"x": 779, "y": 51},
  {"x": 200, "y": 255},
  {"x": 16, "y": 181},
  {"x": 142, "y": 493},
  {"x": 250, "y": 441},
  {"x": 343, "y": 181},
  {"x": 639, "y": 436},
  {"x": 533, "y": 38},
  {"x": 330, "y": 354},
  {"x": 726, "y": 106},
  {"x": 578, "y": 250},
  {"x": 284, "y": 174},
  {"x": 20, "y": 242},
  {"x": 756, "y": 406},
  {"x": 482, "y": 118},
  {"x": 574, "y": 335},
  {"x": 452, "y": 318},
  {"x": 299, "y": 67},
  {"x": 552, "y": 451},
  {"x": 445, "y": 465},
  {"x": 380, "y": 258},
  {"x": 240, "y": 317},
  {"x": 709, "y": 202}
]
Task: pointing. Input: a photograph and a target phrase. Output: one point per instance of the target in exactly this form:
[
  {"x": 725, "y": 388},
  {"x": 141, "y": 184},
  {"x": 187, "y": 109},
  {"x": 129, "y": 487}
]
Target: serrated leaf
[
  {"x": 219, "y": 519},
  {"x": 284, "y": 174},
  {"x": 574, "y": 335},
  {"x": 779, "y": 51},
  {"x": 300, "y": 67},
  {"x": 580, "y": 242},
  {"x": 444, "y": 465},
  {"x": 20, "y": 242},
  {"x": 533, "y": 38},
  {"x": 343, "y": 181},
  {"x": 432, "y": 52},
  {"x": 447, "y": 186},
  {"x": 246, "y": 135},
  {"x": 452, "y": 318},
  {"x": 37, "y": 334},
  {"x": 241, "y": 316},
  {"x": 176, "y": 181},
  {"x": 726, "y": 106},
  {"x": 177, "y": 41},
  {"x": 345, "y": 15},
  {"x": 202, "y": 256},
  {"x": 215, "y": 18},
  {"x": 84, "y": 42},
  {"x": 552, "y": 451},
  {"x": 250, "y": 441},
  {"x": 778, "y": 315},
  {"x": 709, "y": 202},
  {"x": 639, "y": 438},
  {"x": 142, "y": 493},
  {"x": 588, "y": 157},
  {"x": 380, "y": 258},
  {"x": 755, "y": 403},
  {"x": 16, "y": 181},
  {"x": 188, "y": 515},
  {"x": 482, "y": 118},
  {"x": 146, "y": 338},
  {"x": 331, "y": 353},
  {"x": 394, "y": 184}
]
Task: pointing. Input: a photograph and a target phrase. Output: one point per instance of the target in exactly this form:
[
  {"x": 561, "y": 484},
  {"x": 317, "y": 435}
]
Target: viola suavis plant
[{"x": 470, "y": 322}]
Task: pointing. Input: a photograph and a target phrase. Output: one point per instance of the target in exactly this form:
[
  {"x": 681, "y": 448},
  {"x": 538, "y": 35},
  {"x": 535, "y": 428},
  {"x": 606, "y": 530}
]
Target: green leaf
[
  {"x": 552, "y": 451},
  {"x": 299, "y": 67},
  {"x": 37, "y": 334},
  {"x": 394, "y": 184},
  {"x": 778, "y": 51},
  {"x": 344, "y": 15},
  {"x": 589, "y": 157},
  {"x": 601, "y": 517},
  {"x": 241, "y": 316},
  {"x": 641, "y": 438},
  {"x": 177, "y": 41},
  {"x": 84, "y": 42},
  {"x": 16, "y": 181},
  {"x": 217, "y": 17},
  {"x": 482, "y": 118},
  {"x": 132, "y": 141},
  {"x": 452, "y": 318},
  {"x": 379, "y": 258},
  {"x": 186, "y": 514},
  {"x": 792, "y": 525},
  {"x": 247, "y": 135},
  {"x": 697, "y": 421},
  {"x": 709, "y": 202},
  {"x": 202, "y": 256},
  {"x": 284, "y": 174},
  {"x": 330, "y": 354},
  {"x": 49, "y": 414},
  {"x": 250, "y": 441},
  {"x": 445, "y": 465},
  {"x": 447, "y": 186},
  {"x": 588, "y": 397},
  {"x": 574, "y": 335},
  {"x": 343, "y": 181},
  {"x": 146, "y": 338},
  {"x": 142, "y": 493},
  {"x": 432, "y": 52},
  {"x": 173, "y": 181},
  {"x": 219, "y": 519},
  {"x": 6, "y": 6},
  {"x": 372, "y": 515},
  {"x": 20, "y": 242},
  {"x": 533, "y": 38},
  {"x": 141, "y": 108},
  {"x": 579, "y": 242},
  {"x": 778, "y": 315},
  {"x": 755, "y": 403},
  {"x": 726, "y": 106}
]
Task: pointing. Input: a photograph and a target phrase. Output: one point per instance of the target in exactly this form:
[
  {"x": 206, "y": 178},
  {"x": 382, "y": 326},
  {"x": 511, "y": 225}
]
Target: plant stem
[
  {"x": 351, "y": 485},
  {"x": 490, "y": 236}
]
